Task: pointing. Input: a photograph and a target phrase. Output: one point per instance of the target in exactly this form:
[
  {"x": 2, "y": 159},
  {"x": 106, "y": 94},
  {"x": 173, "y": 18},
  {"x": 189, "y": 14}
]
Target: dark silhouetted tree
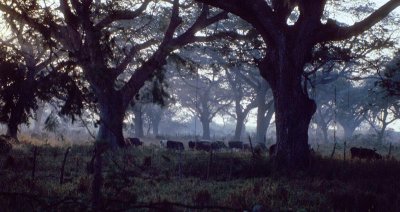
[{"x": 289, "y": 49}]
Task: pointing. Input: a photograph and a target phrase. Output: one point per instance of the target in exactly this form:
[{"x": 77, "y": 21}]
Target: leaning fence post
[
  {"x": 333, "y": 150},
  {"x": 63, "y": 165}
]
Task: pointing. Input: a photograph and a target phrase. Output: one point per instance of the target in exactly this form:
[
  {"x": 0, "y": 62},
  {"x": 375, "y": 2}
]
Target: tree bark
[
  {"x": 293, "y": 108},
  {"x": 261, "y": 110},
  {"x": 268, "y": 117},
  {"x": 111, "y": 119},
  {"x": 206, "y": 129},
  {"x": 293, "y": 112},
  {"x": 156, "y": 125},
  {"x": 17, "y": 113},
  {"x": 15, "y": 120},
  {"x": 239, "y": 126},
  {"x": 323, "y": 127},
  {"x": 138, "y": 121},
  {"x": 39, "y": 114},
  {"x": 381, "y": 132}
]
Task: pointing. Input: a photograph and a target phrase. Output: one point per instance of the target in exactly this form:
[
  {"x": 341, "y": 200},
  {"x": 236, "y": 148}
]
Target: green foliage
[
  {"x": 12, "y": 88},
  {"x": 391, "y": 77}
]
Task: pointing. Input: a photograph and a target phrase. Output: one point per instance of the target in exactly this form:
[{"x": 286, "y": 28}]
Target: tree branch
[
  {"x": 175, "y": 21},
  {"x": 70, "y": 18},
  {"x": 331, "y": 31},
  {"x": 256, "y": 12},
  {"x": 201, "y": 23},
  {"x": 122, "y": 15},
  {"x": 26, "y": 19},
  {"x": 156, "y": 61},
  {"x": 129, "y": 57}
]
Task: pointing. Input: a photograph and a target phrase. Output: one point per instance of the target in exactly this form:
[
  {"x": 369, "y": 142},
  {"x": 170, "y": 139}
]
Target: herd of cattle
[
  {"x": 360, "y": 153},
  {"x": 200, "y": 145}
]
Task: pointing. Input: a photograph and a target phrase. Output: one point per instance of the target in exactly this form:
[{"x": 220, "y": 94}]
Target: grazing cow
[
  {"x": 203, "y": 145},
  {"x": 200, "y": 145},
  {"x": 133, "y": 142},
  {"x": 364, "y": 153},
  {"x": 192, "y": 145},
  {"x": 175, "y": 145},
  {"x": 206, "y": 145},
  {"x": 218, "y": 145},
  {"x": 235, "y": 145}
]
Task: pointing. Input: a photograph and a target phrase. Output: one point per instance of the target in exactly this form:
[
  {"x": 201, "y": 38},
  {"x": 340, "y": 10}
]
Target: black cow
[
  {"x": 235, "y": 144},
  {"x": 200, "y": 145},
  {"x": 192, "y": 145},
  {"x": 218, "y": 145},
  {"x": 133, "y": 141},
  {"x": 364, "y": 153},
  {"x": 203, "y": 145},
  {"x": 175, "y": 145}
]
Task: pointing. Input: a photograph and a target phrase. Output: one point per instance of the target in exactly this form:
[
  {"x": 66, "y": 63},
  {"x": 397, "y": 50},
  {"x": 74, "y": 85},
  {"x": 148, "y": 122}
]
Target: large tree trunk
[
  {"x": 138, "y": 121},
  {"x": 293, "y": 112},
  {"x": 15, "y": 119},
  {"x": 155, "y": 118},
  {"x": 239, "y": 126},
  {"x": 111, "y": 119},
  {"x": 39, "y": 115},
  {"x": 381, "y": 132},
  {"x": 156, "y": 125},
  {"x": 324, "y": 129},
  {"x": 268, "y": 117},
  {"x": 206, "y": 129},
  {"x": 348, "y": 132},
  {"x": 262, "y": 108},
  {"x": 293, "y": 109},
  {"x": 17, "y": 113},
  {"x": 12, "y": 129},
  {"x": 348, "y": 129}
]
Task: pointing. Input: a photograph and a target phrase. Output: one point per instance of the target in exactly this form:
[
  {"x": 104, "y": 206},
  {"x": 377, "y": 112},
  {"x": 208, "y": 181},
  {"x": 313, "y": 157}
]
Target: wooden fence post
[
  {"x": 34, "y": 163},
  {"x": 63, "y": 165},
  {"x": 333, "y": 151}
]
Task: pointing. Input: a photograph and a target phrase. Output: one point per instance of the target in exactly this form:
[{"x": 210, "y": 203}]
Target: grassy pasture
[{"x": 153, "y": 179}]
